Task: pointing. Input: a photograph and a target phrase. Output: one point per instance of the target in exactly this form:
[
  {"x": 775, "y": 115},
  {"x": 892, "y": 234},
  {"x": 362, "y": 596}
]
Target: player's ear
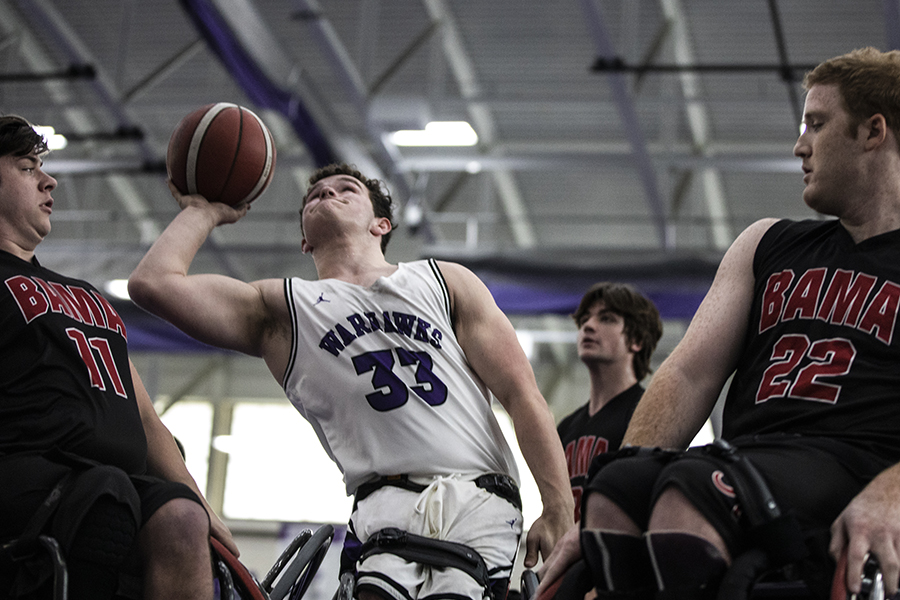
[
  {"x": 305, "y": 247},
  {"x": 876, "y": 130},
  {"x": 381, "y": 226}
]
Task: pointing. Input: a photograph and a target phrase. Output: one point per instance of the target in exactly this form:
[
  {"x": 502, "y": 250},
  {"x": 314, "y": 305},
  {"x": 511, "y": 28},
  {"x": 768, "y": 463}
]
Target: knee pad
[
  {"x": 618, "y": 563},
  {"x": 685, "y": 566},
  {"x": 103, "y": 541},
  {"x": 106, "y": 534}
]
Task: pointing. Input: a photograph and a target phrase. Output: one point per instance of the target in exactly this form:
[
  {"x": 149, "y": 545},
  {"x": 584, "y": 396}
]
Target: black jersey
[
  {"x": 65, "y": 380},
  {"x": 821, "y": 356},
  {"x": 584, "y": 436}
]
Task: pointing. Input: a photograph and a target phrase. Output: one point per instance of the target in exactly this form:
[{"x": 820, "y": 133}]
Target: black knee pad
[
  {"x": 106, "y": 534},
  {"x": 685, "y": 566},
  {"x": 619, "y": 564},
  {"x": 103, "y": 541}
]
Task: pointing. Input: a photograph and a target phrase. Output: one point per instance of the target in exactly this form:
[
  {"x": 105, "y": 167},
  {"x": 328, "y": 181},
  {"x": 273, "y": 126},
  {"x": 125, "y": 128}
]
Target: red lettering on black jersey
[
  {"x": 773, "y": 298},
  {"x": 82, "y": 303},
  {"x": 881, "y": 315},
  {"x": 58, "y": 304},
  {"x": 36, "y": 297},
  {"x": 803, "y": 300},
  {"x": 28, "y": 296},
  {"x": 580, "y": 453},
  {"x": 843, "y": 301},
  {"x": 113, "y": 321}
]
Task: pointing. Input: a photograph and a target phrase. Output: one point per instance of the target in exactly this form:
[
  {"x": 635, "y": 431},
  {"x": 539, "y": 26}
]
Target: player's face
[
  {"x": 601, "y": 337},
  {"x": 25, "y": 202},
  {"x": 831, "y": 155},
  {"x": 338, "y": 198}
]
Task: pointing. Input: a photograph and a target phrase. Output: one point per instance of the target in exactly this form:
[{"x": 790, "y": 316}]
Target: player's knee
[
  {"x": 178, "y": 527},
  {"x": 602, "y": 513}
]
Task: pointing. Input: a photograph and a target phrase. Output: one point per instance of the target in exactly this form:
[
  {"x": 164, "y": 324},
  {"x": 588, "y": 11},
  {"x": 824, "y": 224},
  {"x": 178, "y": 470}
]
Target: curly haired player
[{"x": 394, "y": 366}]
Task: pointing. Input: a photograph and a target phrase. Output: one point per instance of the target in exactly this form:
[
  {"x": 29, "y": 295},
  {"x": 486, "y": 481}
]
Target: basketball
[{"x": 224, "y": 152}]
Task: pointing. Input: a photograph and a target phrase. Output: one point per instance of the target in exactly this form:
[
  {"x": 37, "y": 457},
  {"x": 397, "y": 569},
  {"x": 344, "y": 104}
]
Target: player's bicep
[
  {"x": 486, "y": 336},
  {"x": 711, "y": 345},
  {"x": 216, "y": 310}
]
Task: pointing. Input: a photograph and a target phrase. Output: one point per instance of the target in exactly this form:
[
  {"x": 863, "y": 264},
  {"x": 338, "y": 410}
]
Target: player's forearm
[
  {"x": 544, "y": 456},
  {"x": 154, "y": 282},
  {"x": 671, "y": 411},
  {"x": 176, "y": 247}
]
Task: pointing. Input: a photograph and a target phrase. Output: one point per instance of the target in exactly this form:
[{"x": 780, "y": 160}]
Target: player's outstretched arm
[
  {"x": 164, "y": 460},
  {"x": 215, "y": 309},
  {"x": 493, "y": 351},
  {"x": 871, "y": 524},
  {"x": 684, "y": 389}
]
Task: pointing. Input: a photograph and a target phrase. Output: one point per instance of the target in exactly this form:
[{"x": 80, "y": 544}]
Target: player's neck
[
  {"x": 607, "y": 382},
  {"x": 353, "y": 264},
  {"x": 876, "y": 210},
  {"x": 882, "y": 219},
  {"x": 17, "y": 249}
]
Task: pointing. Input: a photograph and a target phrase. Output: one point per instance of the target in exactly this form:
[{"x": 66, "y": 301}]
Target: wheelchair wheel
[
  {"x": 308, "y": 551},
  {"x": 234, "y": 580}
]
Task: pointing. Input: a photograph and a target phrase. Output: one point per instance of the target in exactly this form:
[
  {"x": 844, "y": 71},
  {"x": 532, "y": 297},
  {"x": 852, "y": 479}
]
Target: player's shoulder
[{"x": 457, "y": 277}]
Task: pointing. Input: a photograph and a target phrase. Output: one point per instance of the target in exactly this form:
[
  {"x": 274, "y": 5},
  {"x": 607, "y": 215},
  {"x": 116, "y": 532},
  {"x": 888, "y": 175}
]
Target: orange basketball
[{"x": 224, "y": 152}]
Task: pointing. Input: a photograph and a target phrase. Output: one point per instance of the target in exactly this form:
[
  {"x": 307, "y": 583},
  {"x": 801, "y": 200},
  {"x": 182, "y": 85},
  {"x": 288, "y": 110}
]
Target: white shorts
[{"x": 449, "y": 509}]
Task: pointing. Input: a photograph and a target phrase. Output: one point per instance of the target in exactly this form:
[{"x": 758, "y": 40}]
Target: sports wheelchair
[{"x": 288, "y": 579}]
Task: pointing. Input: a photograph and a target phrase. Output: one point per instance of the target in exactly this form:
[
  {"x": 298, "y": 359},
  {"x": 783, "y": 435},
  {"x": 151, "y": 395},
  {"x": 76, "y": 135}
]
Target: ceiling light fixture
[{"x": 437, "y": 133}]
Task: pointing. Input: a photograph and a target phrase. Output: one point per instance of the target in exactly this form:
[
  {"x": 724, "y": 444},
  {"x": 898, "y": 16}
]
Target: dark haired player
[
  {"x": 806, "y": 312},
  {"x": 618, "y": 329},
  {"x": 394, "y": 366},
  {"x": 75, "y": 417}
]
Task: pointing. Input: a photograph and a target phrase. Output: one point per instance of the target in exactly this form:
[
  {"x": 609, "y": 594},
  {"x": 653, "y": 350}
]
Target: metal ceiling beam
[
  {"x": 483, "y": 121},
  {"x": 345, "y": 69},
  {"x": 699, "y": 124},
  {"x": 603, "y": 47},
  {"x": 45, "y": 16},
  {"x": 509, "y": 161},
  {"x": 618, "y": 65}
]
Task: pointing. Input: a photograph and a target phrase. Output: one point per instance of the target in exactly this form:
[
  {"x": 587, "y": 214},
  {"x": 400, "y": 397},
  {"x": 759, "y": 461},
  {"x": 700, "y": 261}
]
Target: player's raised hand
[{"x": 223, "y": 213}]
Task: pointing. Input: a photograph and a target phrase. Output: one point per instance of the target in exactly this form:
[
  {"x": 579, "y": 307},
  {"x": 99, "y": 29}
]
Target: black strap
[
  {"x": 501, "y": 485},
  {"x": 400, "y": 481},
  {"x": 777, "y": 533},
  {"x": 495, "y": 483},
  {"x": 43, "y": 513},
  {"x": 427, "y": 551}
]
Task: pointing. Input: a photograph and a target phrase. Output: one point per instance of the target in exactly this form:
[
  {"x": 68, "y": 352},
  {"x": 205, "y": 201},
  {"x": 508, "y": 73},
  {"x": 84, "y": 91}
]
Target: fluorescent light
[
  {"x": 118, "y": 288},
  {"x": 54, "y": 140},
  {"x": 437, "y": 133}
]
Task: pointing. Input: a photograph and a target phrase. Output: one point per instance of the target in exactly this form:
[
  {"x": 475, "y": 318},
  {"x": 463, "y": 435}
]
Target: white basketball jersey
[{"x": 379, "y": 374}]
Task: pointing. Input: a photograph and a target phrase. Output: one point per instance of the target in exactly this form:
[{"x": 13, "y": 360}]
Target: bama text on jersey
[
  {"x": 842, "y": 300},
  {"x": 36, "y": 297}
]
